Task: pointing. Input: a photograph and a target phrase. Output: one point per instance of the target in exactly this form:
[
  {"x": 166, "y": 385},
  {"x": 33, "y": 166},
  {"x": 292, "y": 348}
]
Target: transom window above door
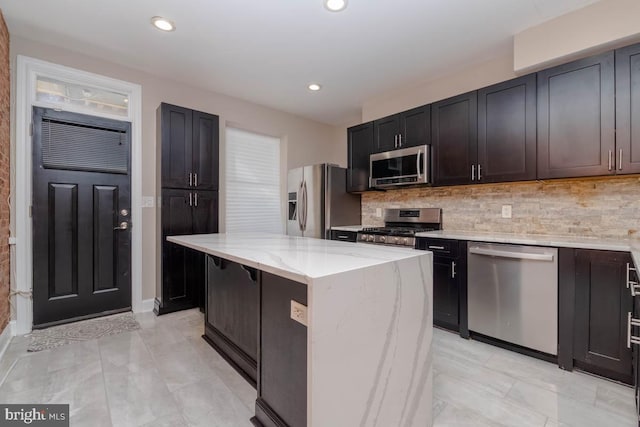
[{"x": 63, "y": 94}]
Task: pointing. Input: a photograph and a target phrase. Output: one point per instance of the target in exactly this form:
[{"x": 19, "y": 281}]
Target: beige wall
[
  {"x": 306, "y": 141},
  {"x": 605, "y": 207},
  {"x": 598, "y": 27},
  {"x": 454, "y": 83}
]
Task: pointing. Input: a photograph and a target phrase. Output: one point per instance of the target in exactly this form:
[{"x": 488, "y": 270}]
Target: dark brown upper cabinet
[
  {"x": 627, "y": 111},
  {"x": 507, "y": 131},
  {"x": 454, "y": 139},
  {"x": 576, "y": 118},
  {"x": 402, "y": 130},
  {"x": 359, "y": 146},
  {"x": 189, "y": 148}
]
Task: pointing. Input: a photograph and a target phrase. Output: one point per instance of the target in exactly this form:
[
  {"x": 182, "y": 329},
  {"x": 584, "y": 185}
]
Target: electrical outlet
[
  {"x": 379, "y": 212},
  {"x": 299, "y": 312},
  {"x": 506, "y": 211}
]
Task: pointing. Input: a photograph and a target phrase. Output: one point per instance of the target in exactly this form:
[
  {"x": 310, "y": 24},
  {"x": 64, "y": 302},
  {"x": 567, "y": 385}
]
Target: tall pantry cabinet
[{"x": 188, "y": 147}]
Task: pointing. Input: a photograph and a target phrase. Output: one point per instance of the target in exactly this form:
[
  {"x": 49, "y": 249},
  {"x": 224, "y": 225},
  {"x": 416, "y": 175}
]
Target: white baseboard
[
  {"x": 5, "y": 337},
  {"x": 147, "y": 305}
]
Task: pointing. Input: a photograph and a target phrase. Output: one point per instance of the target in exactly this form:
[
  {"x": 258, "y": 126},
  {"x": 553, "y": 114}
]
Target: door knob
[{"x": 124, "y": 225}]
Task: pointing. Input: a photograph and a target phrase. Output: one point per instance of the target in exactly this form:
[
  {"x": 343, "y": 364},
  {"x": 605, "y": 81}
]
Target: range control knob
[
  {"x": 405, "y": 241},
  {"x": 395, "y": 241},
  {"x": 363, "y": 237},
  {"x": 370, "y": 238},
  {"x": 383, "y": 239}
]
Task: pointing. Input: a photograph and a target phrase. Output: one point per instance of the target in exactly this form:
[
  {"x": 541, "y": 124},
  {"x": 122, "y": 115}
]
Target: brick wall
[
  {"x": 4, "y": 174},
  {"x": 602, "y": 207}
]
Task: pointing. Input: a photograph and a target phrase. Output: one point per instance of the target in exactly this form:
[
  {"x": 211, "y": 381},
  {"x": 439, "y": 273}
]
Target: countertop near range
[
  {"x": 368, "y": 327},
  {"x": 301, "y": 259},
  {"x": 354, "y": 228},
  {"x": 558, "y": 241}
]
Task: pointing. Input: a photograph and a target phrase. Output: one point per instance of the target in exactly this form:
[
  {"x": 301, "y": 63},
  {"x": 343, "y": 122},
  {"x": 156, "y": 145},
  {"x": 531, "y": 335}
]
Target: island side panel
[{"x": 369, "y": 341}]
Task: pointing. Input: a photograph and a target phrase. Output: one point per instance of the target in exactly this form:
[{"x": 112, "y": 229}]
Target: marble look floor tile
[
  {"x": 93, "y": 415},
  {"x": 438, "y": 406},
  {"x": 28, "y": 372},
  {"x": 452, "y": 343},
  {"x": 210, "y": 403},
  {"x": 565, "y": 409},
  {"x": 616, "y": 398},
  {"x": 162, "y": 339},
  {"x": 172, "y": 420},
  {"x": 544, "y": 374},
  {"x": 176, "y": 373},
  {"x": 137, "y": 398},
  {"x": 452, "y": 416},
  {"x": 73, "y": 354},
  {"x": 125, "y": 353},
  {"x": 466, "y": 395},
  {"x": 79, "y": 386}
]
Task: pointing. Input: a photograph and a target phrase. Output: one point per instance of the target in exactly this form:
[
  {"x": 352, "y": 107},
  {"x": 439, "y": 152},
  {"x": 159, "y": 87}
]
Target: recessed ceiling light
[
  {"x": 314, "y": 87},
  {"x": 335, "y": 5},
  {"x": 162, "y": 23}
]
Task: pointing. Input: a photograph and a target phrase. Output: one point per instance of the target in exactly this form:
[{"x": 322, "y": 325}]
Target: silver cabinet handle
[
  {"x": 190, "y": 179},
  {"x": 610, "y": 159},
  {"x": 190, "y": 199},
  {"x": 453, "y": 269},
  {"x": 473, "y": 172},
  {"x": 632, "y": 339},
  {"x": 395, "y": 141},
  {"x": 124, "y": 225},
  {"x": 479, "y": 169},
  {"x": 436, "y": 247},
  {"x": 195, "y": 197},
  {"x": 400, "y": 140},
  {"x": 632, "y": 285},
  {"x": 195, "y": 179},
  {"x": 620, "y": 160}
]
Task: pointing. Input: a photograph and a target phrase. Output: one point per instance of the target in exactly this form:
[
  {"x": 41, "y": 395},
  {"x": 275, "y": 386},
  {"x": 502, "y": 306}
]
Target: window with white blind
[{"x": 253, "y": 194}]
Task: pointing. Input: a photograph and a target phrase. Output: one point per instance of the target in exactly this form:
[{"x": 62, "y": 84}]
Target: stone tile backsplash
[{"x": 602, "y": 207}]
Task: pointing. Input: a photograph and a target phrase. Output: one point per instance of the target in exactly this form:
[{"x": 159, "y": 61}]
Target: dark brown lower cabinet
[
  {"x": 449, "y": 283},
  {"x": 602, "y": 304},
  {"x": 231, "y": 314},
  {"x": 282, "y": 359}
]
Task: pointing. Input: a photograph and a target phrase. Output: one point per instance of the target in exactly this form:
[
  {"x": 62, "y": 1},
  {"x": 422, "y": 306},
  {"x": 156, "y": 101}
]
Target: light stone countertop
[
  {"x": 606, "y": 244},
  {"x": 301, "y": 259},
  {"x": 354, "y": 228}
]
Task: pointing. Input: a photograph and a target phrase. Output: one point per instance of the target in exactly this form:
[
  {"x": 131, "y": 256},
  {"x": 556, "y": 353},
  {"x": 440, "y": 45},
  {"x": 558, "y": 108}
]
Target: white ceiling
[{"x": 267, "y": 51}]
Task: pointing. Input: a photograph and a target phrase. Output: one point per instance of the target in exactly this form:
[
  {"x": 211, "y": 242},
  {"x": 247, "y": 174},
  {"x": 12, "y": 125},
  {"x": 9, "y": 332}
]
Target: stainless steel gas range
[{"x": 401, "y": 225}]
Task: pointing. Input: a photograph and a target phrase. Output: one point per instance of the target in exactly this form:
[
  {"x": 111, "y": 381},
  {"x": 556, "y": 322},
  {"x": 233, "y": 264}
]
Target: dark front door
[{"x": 81, "y": 215}]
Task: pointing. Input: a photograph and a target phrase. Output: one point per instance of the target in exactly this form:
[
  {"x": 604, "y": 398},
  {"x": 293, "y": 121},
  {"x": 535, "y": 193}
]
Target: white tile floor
[{"x": 166, "y": 375}]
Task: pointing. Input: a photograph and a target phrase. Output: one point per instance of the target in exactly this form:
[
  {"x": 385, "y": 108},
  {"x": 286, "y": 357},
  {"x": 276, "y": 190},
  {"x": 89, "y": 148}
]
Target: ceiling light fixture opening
[
  {"x": 335, "y": 5},
  {"x": 314, "y": 87},
  {"x": 163, "y": 24}
]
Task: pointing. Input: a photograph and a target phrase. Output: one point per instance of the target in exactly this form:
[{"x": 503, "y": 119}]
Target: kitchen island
[{"x": 366, "y": 347}]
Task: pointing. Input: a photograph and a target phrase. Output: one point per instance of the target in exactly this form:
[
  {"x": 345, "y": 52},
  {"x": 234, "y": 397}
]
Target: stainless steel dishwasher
[{"x": 513, "y": 294}]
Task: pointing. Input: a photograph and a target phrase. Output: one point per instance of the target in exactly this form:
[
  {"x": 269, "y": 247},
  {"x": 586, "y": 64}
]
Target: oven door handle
[{"x": 510, "y": 254}]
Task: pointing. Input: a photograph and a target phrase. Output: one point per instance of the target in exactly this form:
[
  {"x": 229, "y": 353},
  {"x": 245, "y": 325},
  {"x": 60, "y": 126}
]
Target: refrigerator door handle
[
  {"x": 305, "y": 196},
  {"x": 299, "y": 207}
]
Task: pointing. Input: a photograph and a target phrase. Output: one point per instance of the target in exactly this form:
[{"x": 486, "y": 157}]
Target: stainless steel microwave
[{"x": 399, "y": 167}]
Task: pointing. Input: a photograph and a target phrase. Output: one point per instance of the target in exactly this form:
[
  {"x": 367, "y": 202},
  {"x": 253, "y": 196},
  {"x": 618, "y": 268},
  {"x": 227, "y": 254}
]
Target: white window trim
[{"x": 28, "y": 70}]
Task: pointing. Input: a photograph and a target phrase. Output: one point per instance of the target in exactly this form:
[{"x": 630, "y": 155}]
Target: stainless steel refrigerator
[{"x": 318, "y": 200}]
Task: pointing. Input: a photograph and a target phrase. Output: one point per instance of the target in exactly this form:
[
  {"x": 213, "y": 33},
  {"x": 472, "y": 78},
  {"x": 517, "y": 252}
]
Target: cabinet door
[
  {"x": 360, "y": 146},
  {"x": 415, "y": 127},
  {"x": 576, "y": 122},
  {"x": 446, "y": 295},
  {"x": 205, "y": 212},
  {"x": 176, "y": 261},
  {"x": 454, "y": 123},
  {"x": 628, "y": 110},
  {"x": 176, "y": 141},
  {"x": 205, "y": 151},
  {"x": 602, "y": 304},
  {"x": 507, "y": 131},
  {"x": 386, "y": 131}
]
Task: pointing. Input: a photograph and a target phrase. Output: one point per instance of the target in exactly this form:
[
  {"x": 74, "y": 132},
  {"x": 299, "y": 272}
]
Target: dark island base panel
[
  {"x": 238, "y": 359},
  {"x": 266, "y": 417},
  {"x": 159, "y": 310}
]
